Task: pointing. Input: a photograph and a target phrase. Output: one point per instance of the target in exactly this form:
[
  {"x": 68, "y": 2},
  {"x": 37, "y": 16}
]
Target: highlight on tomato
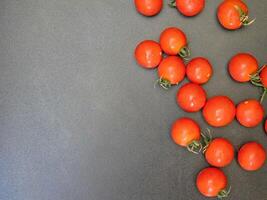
[
  {"x": 259, "y": 79},
  {"x": 191, "y": 97},
  {"x": 233, "y": 14},
  {"x": 250, "y": 113},
  {"x": 251, "y": 156},
  {"x": 148, "y": 7},
  {"x": 188, "y": 8},
  {"x": 219, "y": 152},
  {"x": 171, "y": 71},
  {"x": 199, "y": 70},
  {"x": 173, "y": 42},
  {"x": 186, "y": 133},
  {"x": 148, "y": 54},
  {"x": 242, "y": 66},
  {"x": 212, "y": 182},
  {"x": 219, "y": 111}
]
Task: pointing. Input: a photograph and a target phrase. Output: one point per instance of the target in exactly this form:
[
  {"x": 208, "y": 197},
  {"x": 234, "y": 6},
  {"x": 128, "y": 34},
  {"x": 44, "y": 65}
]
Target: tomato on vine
[
  {"x": 233, "y": 14},
  {"x": 260, "y": 79},
  {"x": 212, "y": 182},
  {"x": 173, "y": 42},
  {"x": 219, "y": 152},
  {"x": 186, "y": 133},
  {"x": 188, "y": 8},
  {"x": 171, "y": 71}
]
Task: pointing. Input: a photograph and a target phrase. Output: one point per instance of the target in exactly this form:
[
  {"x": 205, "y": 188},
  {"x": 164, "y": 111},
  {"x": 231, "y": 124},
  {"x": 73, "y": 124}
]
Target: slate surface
[{"x": 80, "y": 120}]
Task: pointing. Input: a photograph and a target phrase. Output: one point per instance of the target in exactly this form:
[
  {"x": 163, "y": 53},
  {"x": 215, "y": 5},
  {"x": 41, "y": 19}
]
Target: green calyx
[
  {"x": 195, "y": 147},
  {"x": 172, "y": 3},
  {"x": 184, "y": 52},
  {"x": 224, "y": 193},
  {"x": 164, "y": 83},
  {"x": 256, "y": 80},
  {"x": 206, "y": 138},
  {"x": 244, "y": 18}
]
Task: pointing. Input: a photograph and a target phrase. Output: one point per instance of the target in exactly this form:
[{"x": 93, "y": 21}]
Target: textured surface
[{"x": 80, "y": 120}]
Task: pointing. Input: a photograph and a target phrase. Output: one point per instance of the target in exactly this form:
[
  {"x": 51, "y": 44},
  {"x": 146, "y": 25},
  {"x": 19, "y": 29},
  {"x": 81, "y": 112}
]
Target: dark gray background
[{"x": 80, "y": 120}]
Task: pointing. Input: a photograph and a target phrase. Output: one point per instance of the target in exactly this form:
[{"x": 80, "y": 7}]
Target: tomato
[
  {"x": 249, "y": 113},
  {"x": 211, "y": 182},
  {"x": 189, "y": 8},
  {"x": 199, "y": 70},
  {"x": 242, "y": 66},
  {"x": 191, "y": 97},
  {"x": 171, "y": 71},
  {"x": 148, "y": 54},
  {"x": 173, "y": 42},
  {"x": 233, "y": 14},
  {"x": 263, "y": 76},
  {"x": 219, "y": 111},
  {"x": 251, "y": 156},
  {"x": 220, "y": 152},
  {"x": 148, "y": 7},
  {"x": 184, "y": 131}
]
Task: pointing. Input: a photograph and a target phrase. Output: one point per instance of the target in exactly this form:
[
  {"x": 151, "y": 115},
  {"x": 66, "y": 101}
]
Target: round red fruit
[
  {"x": 148, "y": 7},
  {"x": 199, "y": 70},
  {"x": 251, "y": 156},
  {"x": 219, "y": 111},
  {"x": 191, "y": 97},
  {"x": 148, "y": 54},
  {"x": 249, "y": 113}
]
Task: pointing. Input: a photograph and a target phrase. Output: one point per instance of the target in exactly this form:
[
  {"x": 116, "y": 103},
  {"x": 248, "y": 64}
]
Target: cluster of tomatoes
[{"x": 169, "y": 56}]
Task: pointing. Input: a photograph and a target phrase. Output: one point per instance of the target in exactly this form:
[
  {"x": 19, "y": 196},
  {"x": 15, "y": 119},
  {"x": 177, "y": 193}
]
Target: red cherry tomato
[
  {"x": 171, "y": 71},
  {"x": 148, "y": 7},
  {"x": 219, "y": 111},
  {"x": 148, "y": 54},
  {"x": 249, "y": 113},
  {"x": 263, "y": 76},
  {"x": 241, "y": 66},
  {"x": 184, "y": 131},
  {"x": 173, "y": 42},
  {"x": 233, "y": 14},
  {"x": 220, "y": 152},
  {"x": 251, "y": 156},
  {"x": 211, "y": 182},
  {"x": 191, "y": 97},
  {"x": 190, "y": 8},
  {"x": 199, "y": 70}
]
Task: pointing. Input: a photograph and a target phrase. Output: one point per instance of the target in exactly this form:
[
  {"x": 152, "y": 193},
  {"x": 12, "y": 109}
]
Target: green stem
[
  {"x": 263, "y": 94},
  {"x": 224, "y": 193},
  {"x": 195, "y": 147},
  {"x": 184, "y": 52},
  {"x": 164, "y": 83},
  {"x": 172, "y": 3}
]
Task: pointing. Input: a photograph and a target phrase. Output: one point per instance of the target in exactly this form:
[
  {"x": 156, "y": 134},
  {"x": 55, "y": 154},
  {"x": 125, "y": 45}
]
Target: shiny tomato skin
[
  {"x": 172, "y": 69},
  {"x": 148, "y": 54},
  {"x": 228, "y": 14},
  {"x": 190, "y": 8},
  {"x": 199, "y": 70},
  {"x": 263, "y": 77},
  {"x": 250, "y": 113},
  {"x": 172, "y": 40},
  {"x": 220, "y": 152},
  {"x": 241, "y": 66},
  {"x": 251, "y": 156},
  {"x": 148, "y": 7},
  {"x": 191, "y": 97},
  {"x": 219, "y": 111},
  {"x": 210, "y": 181},
  {"x": 184, "y": 131}
]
